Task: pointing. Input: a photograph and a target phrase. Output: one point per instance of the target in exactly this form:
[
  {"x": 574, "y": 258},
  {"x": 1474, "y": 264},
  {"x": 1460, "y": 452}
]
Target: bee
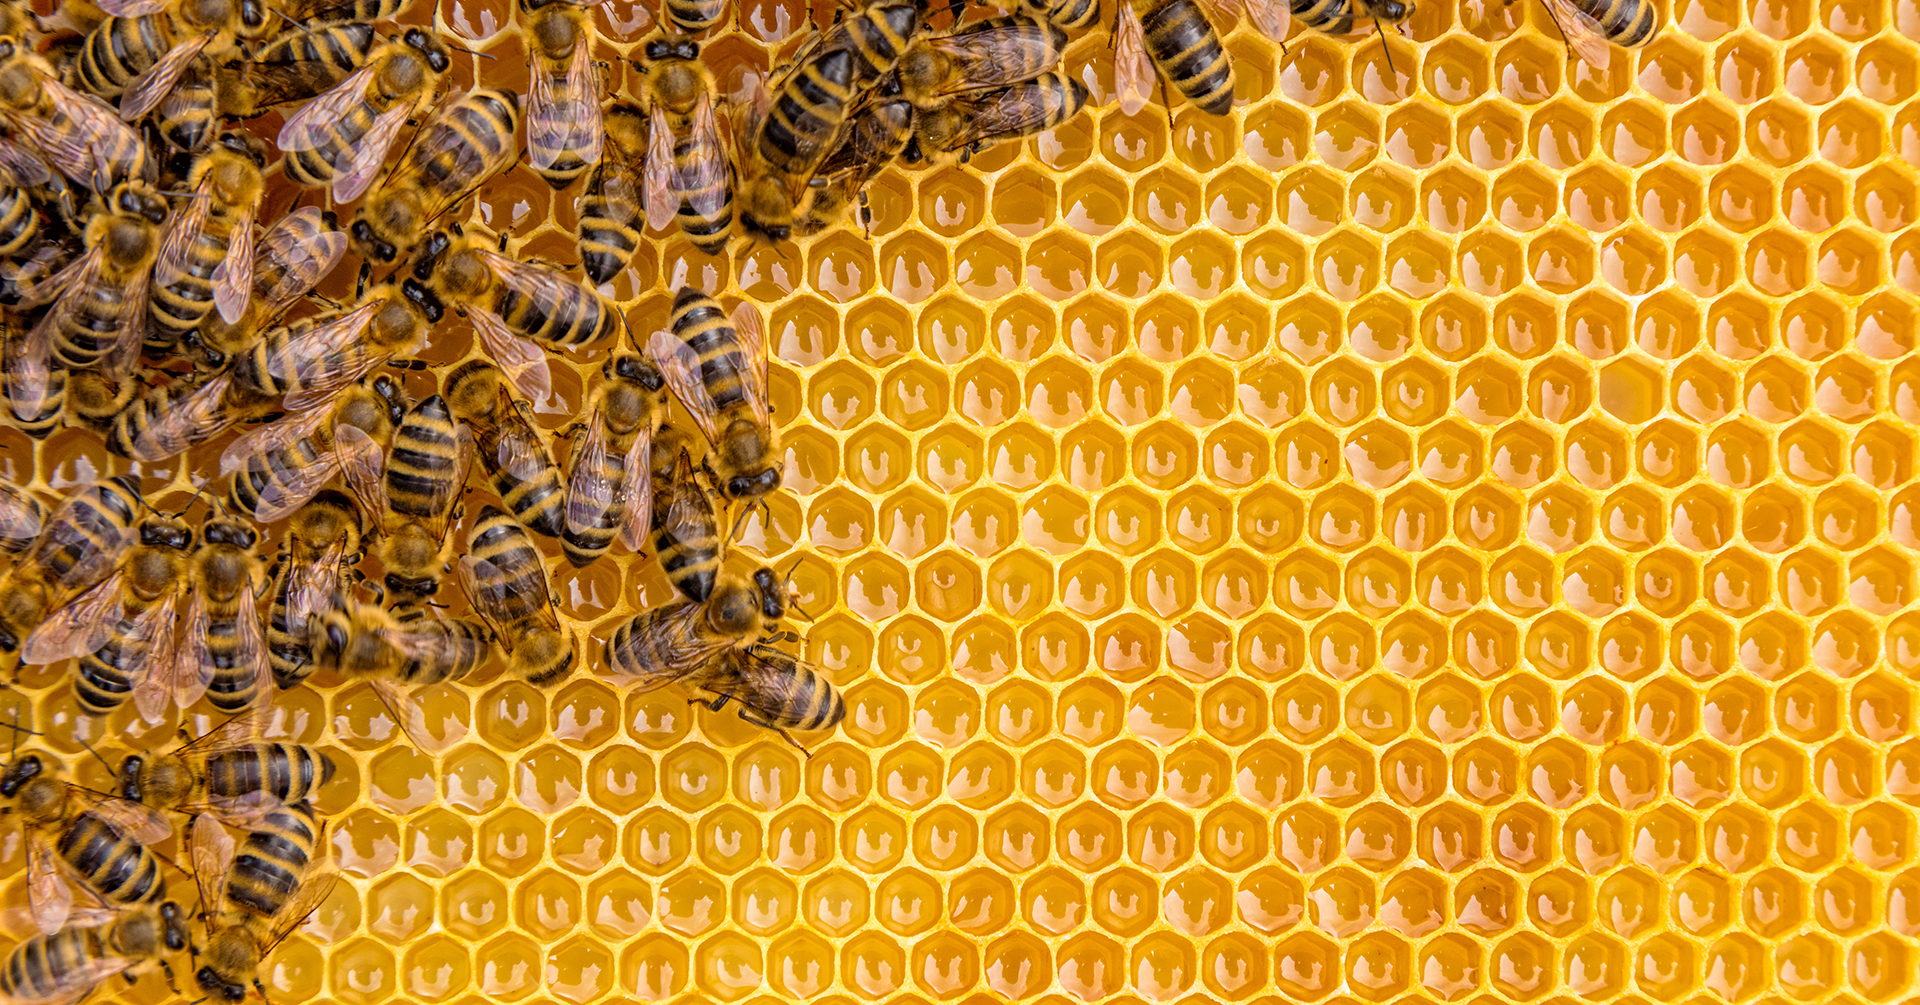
[
  {"x": 300, "y": 65},
  {"x": 136, "y": 406},
  {"x": 466, "y": 143},
  {"x": 122, "y": 630},
  {"x": 80, "y": 544},
  {"x": 1592, "y": 27},
  {"x": 876, "y": 35},
  {"x": 397, "y": 650},
  {"x": 510, "y": 447},
  {"x": 610, "y": 207},
  {"x": 690, "y": 16},
  {"x": 1174, "y": 38},
  {"x": 280, "y": 466},
  {"x": 784, "y": 137},
  {"x": 686, "y": 171},
  {"x": 776, "y": 690},
  {"x": 143, "y": 47},
  {"x": 513, "y": 304},
  {"x": 874, "y": 137},
  {"x": 415, "y": 493},
  {"x": 299, "y": 250},
  {"x": 225, "y": 654},
  {"x": 259, "y": 893},
  {"x": 563, "y": 99},
  {"x": 324, "y": 539},
  {"x": 970, "y": 125},
  {"x": 99, "y": 840},
  {"x": 686, "y": 531},
  {"x": 80, "y": 137},
  {"x": 21, "y": 516},
  {"x": 937, "y": 69},
  {"x": 68, "y": 964},
  {"x": 342, "y": 137},
  {"x": 610, "y": 472},
  {"x": 506, "y": 581},
  {"x": 719, "y": 372},
  {"x": 229, "y": 771},
  {"x": 205, "y": 261},
  {"x": 667, "y": 644},
  {"x": 1344, "y": 17}
]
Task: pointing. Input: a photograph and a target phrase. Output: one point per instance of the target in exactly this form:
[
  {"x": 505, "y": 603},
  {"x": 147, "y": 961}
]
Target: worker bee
[
  {"x": 1175, "y": 38},
  {"x": 719, "y": 372},
  {"x": 689, "y": 16},
  {"x": 686, "y": 531},
  {"x": 610, "y": 207},
  {"x": 415, "y": 493},
  {"x": 936, "y": 69},
  {"x": 563, "y": 98},
  {"x": 69, "y": 964},
  {"x": 100, "y": 301},
  {"x": 205, "y": 261},
  {"x": 506, "y": 582},
  {"x": 278, "y": 467},
  {"x": 143, "y": 47},
  {"x": 394, "y": 650},
  {"x": 510, "y": 446},
  {"x": 131, "y": 406},
  {"x": 775, "y": 689},
  {"x": 784, "y": 137},
  {"x": 323, "y": 541},
  {"x": 290, "y": 257},
  {"x": 1592, "y": 27},
  {"x": 466, "y": 143},
  {"x": 80, "y": 137},
  {"x": 876, "y": 35},
  {"x": 225, "y": 654},
  {"x": 122, "y": 630},
  {"x": 970, "y": 125},
  {"x": 686, "y": 171},
  {"x": 342, "y": 137},
  {"x": 299, "y": 66},
  {"x": 877, "y": 134},
  {"x": 259, "y": 893},
  {"x": 610, "y": 472},
  {"x": 229, "y": 771},
  {"x": 666, "y": 644},
  {"x": 77, "y": 547},
  {"x": 98, "y": 840}
]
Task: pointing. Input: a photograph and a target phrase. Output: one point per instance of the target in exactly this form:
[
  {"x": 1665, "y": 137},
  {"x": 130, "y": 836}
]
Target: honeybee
[
  {"x": 686, "y": 171},
  {"x": 964, "y": 128},
  {"x": 506, "y": 581},
  {"x": 1175, "y": 38},
  {"x": 290, "y": 257},
  {"x": 228, "y": 771},
  {"x": 100, "y": 301},
  {"x": 936, "y": 69},
  {"x": 775, "y": 689},
  {"x": 719, "y": 372},
  {"x": 299, "y": 66},
  {"x": 69, "y": 964},
  {"x": 689, "y": 16},
  {"x": 80, "y": 137},
  {"x": 510, "y": 446},
  {"x": 563, "y": 98},
  {"x": 610, "y": 208},
  {"x": 99, "y": 840},
  {"x": 415, "y": 493},
  {"x": 323, "y": 540},
  {"x": 77, "y": 547},
  {"x": 874, "y": 137},
  {"x": 343, "y": 136},
  {"x": 205, "y": 262},
  {"x": 397, "y": 650},
  {"x": 666, "y": 644},
  {"x": 130, "y": 406},
  {"x": 513, "y": 304},
  {"x": 139, "y": 52},
  {"x": 784, "y": 137},
  {"x": 122, "y": 631},
  {"x": 280, "y": 466},
  {"x": 686, "y": 531},
  {"x": 610, "y": 472},
  {"x": 259, "y": 893},
  {"x": 224, "y": 655},
  {"x": 467, "y": 142},
  {"x": 1593, "y": 27}
]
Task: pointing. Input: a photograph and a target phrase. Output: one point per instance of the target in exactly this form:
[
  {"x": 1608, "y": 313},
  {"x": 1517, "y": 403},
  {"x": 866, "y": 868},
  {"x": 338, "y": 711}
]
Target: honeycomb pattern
[{"x": 1442, "y": 532}]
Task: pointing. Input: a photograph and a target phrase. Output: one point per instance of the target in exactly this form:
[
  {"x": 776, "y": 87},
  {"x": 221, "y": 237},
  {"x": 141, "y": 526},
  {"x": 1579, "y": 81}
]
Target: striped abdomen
[
  {"x": 1626, "y": 23},
  {"x": 705, "y": 328},
  {"x": 876, "y": 37},
  {"x": 232, "y": 689},
  {"x": 180, "y": 300},
  {"x": 519, "y": 577},
  {"x": 424, "y": 459},
  {"x": 272, "y": 863},
  {"x": 1187, "y": 52},
  {"x": 91, "y": 527},
  {"x": 706, "y": 214},
  {"x": 785, "y": 693},
  {"x": 588, "y": 543},
  {"x": 118, "y": 868},
  {"x": 610, "y": 224},
  {"x": 689, "y": 16},
  {"x": 19, "y": 221},
  {"x": 458, "y": 661},
  {"x": 470, "y": 141},
  {"x": 120, "y": 49},
  {"x": 316, "y": 167},
  {"x": 289, "y": 772},
  {"x": 662, "y": 641},
  {"x": 101, "y": 679},
  {"x": 41, "y": 968},
  {"x": 686, "y": 536},
  {"x": 341, "y": 46},
  {"x": 262, "y": 470},
  {"x": 289, "y": 655},
  {"x": 578, "y": 319},
  {"x": 94, "y": 327},
  {"x": 187, "y": 112},
  {"x": 540, "y": 502},
  {"x": 807, "y": 113}
]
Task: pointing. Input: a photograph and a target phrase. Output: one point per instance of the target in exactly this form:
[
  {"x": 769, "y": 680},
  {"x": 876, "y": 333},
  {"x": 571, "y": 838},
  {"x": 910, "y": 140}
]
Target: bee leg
[
  {"x": 1167, "y": 100},
  {"x": 366, "y": 273}
]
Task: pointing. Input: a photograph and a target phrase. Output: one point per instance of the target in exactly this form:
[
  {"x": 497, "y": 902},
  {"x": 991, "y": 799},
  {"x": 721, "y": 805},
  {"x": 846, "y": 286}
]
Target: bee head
[
  {"x": 430, "y": 48},
  {"x": 415, "y": 586},
  {"x": 1394, "y": 10},
  {"x": 18, "y": 774},
  {"x": 245, "y": 145},
  {"x": 430, "y": 252},
  {"x": 745, "y": 486},
  {"x": 672, "y": 47},
  {"x": 633, "y": 366},
  {"x": 391, "y": 396},
  {"x": 157, "y": 533},
  {"x": 773, "y": 594},
  {"x": 253, "y": 18},
  {"x": 231, "y": 532}
]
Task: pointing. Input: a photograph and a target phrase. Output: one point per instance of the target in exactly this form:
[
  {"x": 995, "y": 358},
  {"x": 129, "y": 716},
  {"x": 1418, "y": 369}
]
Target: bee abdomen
[
  {"x": 118, "y": 50},
  {"x": 540, "y": 503},
  {"x": 482, "y": 124},
  {"x": 807, "y": 112},
  {"x": 423, "y": 459},
  {"x": 1187, "y": 50},
  {"x": 115, "y": 867},
  {"x": 690, "y": 16},
  {"x": 19, "y": 221},
  {"x": 1627, "y": 23}
]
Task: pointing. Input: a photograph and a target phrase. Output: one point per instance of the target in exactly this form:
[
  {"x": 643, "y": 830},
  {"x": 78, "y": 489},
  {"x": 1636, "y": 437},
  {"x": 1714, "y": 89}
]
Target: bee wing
[
  {"x": 993, "y": 57},
  {"x": 306, "y": 900},
  {"x": 19, "y": 515},
  {"x": 250, "y": 647},
  {"x": 1132, "y": 70},
  {"x": 80, "y": 627},
  {"x": 312, "y": 587},
  {"x": 99, "y": 150},
  {"x": 59, "y": 533},
  {"x": 184, "y": 227},
  {"x": 190, "y": 420},
  {"x": 308, "y": 126},
  {"x": 565, "y": 118},
  {"x": 321, "y": 360},
  {"x": 363, "y": 462},
  {"x": 484, "y": 586},
  {"x": 621, "y": 197},
  {"x": 589, "y": 494},
  {"x": 412, "y": 718},
  {"x": 710, "y": 168},
  {"x": 369, "y": 155},
  {"x": 131, "y": 331},
  {"x": 446, "y": 493},
  {"x": 156, "y": 665},
  {"x": 233, "y": 277},
  {"x": 548, "y": 289},
  {"x": 753, "y": 345},
  {"x": 519, "y": 451},
  {"x": 243, "y": 730},
  {"x": 140, "y": 823},
  {"x": 662, "y": 198},
  {"x": 295, "y": 487},
  {"x": 157, "y": 81},
  {"x": 47, "y": 890},
  {"x": 29, "y": 373},
  {"x": 260, "y": 441},
  {"x": 524, "y": 362},
  {"x": 22, "y": 166},
  {"x": 212, "y": 851},
  {"x": 680, "y": 365},
  {"x": 180, "y": 675},
  {"x": 80, "y": 273},
  {"x": 636, "y": 487},
  {"x": 132, "y": 8},
  {"x": 1270, "y": 17},
  {"x": 305, "y": 260},
  {"x": 1585, "y": 35}
]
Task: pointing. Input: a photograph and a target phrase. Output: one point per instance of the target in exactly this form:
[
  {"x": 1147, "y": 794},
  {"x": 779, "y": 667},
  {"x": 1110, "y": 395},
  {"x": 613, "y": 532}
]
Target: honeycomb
[{"x": 1444, "y": 531}]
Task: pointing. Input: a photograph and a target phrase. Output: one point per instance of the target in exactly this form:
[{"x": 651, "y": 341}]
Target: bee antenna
[
  {"x": 1381, "y": 29},
  {"x": 787, "y": 578},
  {"x": 95, "y": 753},
  {"x": 470, "y": 52}
]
